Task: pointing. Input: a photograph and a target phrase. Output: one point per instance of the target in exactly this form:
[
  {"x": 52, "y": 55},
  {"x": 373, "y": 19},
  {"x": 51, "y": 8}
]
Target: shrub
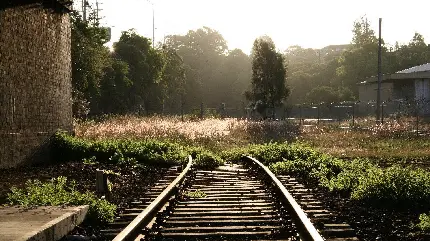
[
  {"x": 206, "y": 159},
  {"x": 394, "y": 185},
  {"x": 424, "y": 223},
  {"x": 130, "y": 153},
  {"x": 359, "y": 178},
  {"x": 58, "y": 192}
]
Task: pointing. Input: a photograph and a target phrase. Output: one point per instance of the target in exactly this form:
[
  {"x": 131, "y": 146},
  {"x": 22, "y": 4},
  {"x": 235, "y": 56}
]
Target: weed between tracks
[{"x": 196, "y": 194}]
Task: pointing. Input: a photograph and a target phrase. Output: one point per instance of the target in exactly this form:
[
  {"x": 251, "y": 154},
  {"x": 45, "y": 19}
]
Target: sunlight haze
[{"x": 308, "y": 23}]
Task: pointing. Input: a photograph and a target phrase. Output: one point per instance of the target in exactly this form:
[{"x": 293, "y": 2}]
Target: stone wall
[{"x": 35, "y": 81}]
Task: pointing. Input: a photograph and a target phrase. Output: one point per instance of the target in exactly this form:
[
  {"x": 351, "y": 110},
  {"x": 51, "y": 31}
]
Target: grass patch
[
  {"x": 59, "y": 192},
  {"x": 378, "y": 145}
]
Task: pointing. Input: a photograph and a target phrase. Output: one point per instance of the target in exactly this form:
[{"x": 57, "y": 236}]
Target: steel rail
[
  {"x": 307, "y": 231},
  {"x": 145, "y": 217}
]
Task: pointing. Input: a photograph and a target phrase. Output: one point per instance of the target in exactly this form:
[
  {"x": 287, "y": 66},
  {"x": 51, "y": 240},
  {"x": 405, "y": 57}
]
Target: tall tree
[
  {"x": 89, "y": 58},
  {"x": 360, "y": 61},
  {"x": 268, "y": 76},
  {"x": 145, "y": 65},
  {"x": 172, "y": 81},
  {"x": 114, "y": 88},
  {"x": 210, "y": 69}
]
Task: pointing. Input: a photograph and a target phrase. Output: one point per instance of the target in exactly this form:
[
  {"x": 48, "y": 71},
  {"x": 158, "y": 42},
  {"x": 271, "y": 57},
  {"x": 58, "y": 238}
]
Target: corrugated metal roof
[{"x": 419, "y": 68}]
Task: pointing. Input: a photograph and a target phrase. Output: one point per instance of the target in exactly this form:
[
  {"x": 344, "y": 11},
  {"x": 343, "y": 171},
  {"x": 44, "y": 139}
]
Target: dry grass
[
  {"x": 212, "y": 133},
  {"x": 393, "y": 140}
]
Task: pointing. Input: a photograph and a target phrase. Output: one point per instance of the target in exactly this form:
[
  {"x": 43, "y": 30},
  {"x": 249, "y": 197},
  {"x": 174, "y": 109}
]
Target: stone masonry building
[{"x": 35, "y": 78}]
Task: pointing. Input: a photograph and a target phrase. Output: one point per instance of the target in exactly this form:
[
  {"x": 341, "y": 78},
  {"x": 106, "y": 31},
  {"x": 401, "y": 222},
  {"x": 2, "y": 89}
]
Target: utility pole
[
  {"x": 84, "y": 10},
  {"x": 153, "y": 24},
  {"x": 98, "y": 10},
  {"x": 378, "y": 96}
]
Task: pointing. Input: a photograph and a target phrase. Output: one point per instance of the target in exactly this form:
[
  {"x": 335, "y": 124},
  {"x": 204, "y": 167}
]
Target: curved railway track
[{"x": 243, "y": 201}]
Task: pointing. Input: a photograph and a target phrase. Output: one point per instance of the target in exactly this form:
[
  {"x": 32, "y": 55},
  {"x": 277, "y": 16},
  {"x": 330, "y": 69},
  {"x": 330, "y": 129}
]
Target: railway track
[
  {"x": 242, "y": 201},
  {"x": 127, "y": 215}
]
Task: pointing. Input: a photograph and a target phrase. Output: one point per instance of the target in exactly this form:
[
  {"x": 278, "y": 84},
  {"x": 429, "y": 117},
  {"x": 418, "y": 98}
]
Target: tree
[
  {"x": 326, "y": 94},
  {"x": 268, "y": 76},
  {"x": 145, "y": 65},
  {"x": 89, "y": 58},
  {"x": 114, "y": 88},
  {"x": 213, "y": 74},
  {"x": 361, "y": 60},
  {"x": 172, "y": 83}
]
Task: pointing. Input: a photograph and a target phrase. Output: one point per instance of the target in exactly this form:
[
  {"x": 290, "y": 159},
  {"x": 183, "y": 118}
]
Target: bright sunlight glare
[{"x": 308, "y": 23}]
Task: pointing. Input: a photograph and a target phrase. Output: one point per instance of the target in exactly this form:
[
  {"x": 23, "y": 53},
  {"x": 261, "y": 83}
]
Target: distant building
[{"x": 405, "y": 85}]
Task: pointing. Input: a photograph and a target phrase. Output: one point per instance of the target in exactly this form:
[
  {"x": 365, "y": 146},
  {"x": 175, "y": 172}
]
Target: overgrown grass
[
  {"x": 379, "y": 144},
  {"x": 129, "y": 152},
  {"x": 58, "y": 192},
  {"x": 211, "y": 133},
  {"x": 361, "y": 179},
  {"x": 392, "y": 142}
]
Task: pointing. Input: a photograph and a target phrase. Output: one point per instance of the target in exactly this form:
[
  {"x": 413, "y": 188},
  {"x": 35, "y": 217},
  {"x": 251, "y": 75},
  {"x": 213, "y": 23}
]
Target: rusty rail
[
  {"x": 306, "y": 229},
  {"x": 148, "y": 214}
]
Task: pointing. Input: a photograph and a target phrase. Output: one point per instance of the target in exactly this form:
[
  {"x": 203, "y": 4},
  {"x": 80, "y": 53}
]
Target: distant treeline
[{"x": 186, "y": 70}]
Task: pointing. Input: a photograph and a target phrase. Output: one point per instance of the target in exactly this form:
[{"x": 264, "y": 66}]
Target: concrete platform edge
[{"x": 59, "y": 227}]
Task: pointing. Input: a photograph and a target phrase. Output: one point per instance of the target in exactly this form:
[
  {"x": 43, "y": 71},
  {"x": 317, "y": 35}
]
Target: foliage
[
  {"x": 129, "y": 153},
  {"x": 394, "y": 185},
  {"x": 268, "y": 76},
  {"x": 145, "y": 65},
  {"x": 89, "y": 59},
  {"x": 424, "y": 222},
  {"x": 114, "y": 87},
  {"x": 214, "y": 74},
  {"x": 360, "y": 179},
  {"x": 196, "y": 194},
  {"x": 205, "y": 158},
  {"x": 326, "y": 94},
  {"x": 90, "y": 161},
  {"x": 58, "y": 192}
]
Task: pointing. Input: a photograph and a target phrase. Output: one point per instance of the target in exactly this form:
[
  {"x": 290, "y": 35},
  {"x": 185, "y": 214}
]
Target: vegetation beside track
[
  {"x": 58, "y": 192},
  {"x": 361, "y": 178},
  {"x": 130, "y": 152}
]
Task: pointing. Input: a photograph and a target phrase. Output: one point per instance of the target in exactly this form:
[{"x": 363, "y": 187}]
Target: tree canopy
[
  {"x": 185, "y": 71},
  {"x": 268, "y": 76}
]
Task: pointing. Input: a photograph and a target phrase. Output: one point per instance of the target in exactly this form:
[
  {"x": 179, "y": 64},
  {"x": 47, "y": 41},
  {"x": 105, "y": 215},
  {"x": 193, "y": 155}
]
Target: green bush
[
  {"x": 129, "y": 153},
  {"x": 424, "y": 222},
  {"x": 58, "y": 192},
  {"x": 359, "y": 178},
  {"x": 206, "y": 159},
  {"x": 394, "y": 185}
]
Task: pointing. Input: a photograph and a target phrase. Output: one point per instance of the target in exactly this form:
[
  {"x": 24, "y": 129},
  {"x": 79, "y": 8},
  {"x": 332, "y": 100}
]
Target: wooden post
[
  {"x": 318, "y": 108},
  {"x": 102, "y": 184}
]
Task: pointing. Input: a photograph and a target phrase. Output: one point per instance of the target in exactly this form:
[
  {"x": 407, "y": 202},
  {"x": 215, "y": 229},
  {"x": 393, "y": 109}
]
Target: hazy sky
[{"x": 309, "y": 23}]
